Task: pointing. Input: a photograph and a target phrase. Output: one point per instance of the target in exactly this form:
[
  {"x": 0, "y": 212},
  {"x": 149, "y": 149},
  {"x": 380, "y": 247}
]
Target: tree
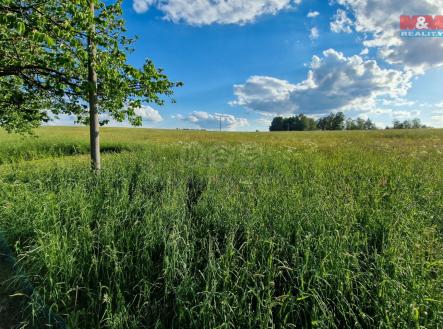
[
  {"x": 350, "y": 124},
  {"x": 369, "y": 125},
  {"x": 322, "y": 123},
  {"x": 277, "y": 124},
  {"x": 65, "y": 57},
  {"x": 408, "y": 124},
  {"x": 307, "y": 123},
  {"x": 359, "y": 124},
  {"x": 416, "y": 123},
  {"x": 293, "y": 124},
  {"x": 338, "y": 121},
  {"x": 396, "y": 124},
  {"x": 299, "y": 122},
  {"x": 332, "y": 122}
]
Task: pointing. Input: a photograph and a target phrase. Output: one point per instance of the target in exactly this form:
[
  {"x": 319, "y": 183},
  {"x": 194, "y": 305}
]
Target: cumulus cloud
[
  {"x": 312, "y": 14},
  {"x": 364, "y": 52},
  {"x": 437, "y": 121},
  {"x": 205, "y": 12},
  {"x": 341, "y": 23},
  {"x": 264, "y": 121},
  {"x": 334, "y": 82},
  {"x": 314, "y": 34},
  {"x": 438, "y": 108},
  {"x": 212, "y": 120},
  {"x": 405, "y": 114},
  {"x": 377, "y": 111},
  {"x": 149, "y": 114},
  {"x": 141, "y": 6},
  {"x": 266, "y": 95},
  {"x": 398, "y": 102},
  {"x": 379, "y": 20}
]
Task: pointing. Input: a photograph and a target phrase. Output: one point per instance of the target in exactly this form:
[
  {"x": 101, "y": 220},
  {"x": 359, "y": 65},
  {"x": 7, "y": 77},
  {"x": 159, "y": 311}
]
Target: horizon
[{"x": 126, "y": 125}]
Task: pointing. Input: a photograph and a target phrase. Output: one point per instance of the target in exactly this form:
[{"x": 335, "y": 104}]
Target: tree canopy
[
  {"x": 408, "y": 124},
  {"x": 44, "y": 64},
  {"x": 360, "y": 124},
  {"x": 298, "y": 123},
  {"x": 334, "y": 121}
]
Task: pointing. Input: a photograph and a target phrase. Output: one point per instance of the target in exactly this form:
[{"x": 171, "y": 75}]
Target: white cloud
[
  {"x": 205, "y": 12},
  {"x": 341, "y": 23},
  {"x": 334, "y": 82},
  {"x": 149, "y": 114},
  {"x": 177, "y": 116},
  {"x": 405, "y": 114},
  {"x": 314, "y": 34},
  {"x": 312, "y": 14},
  {"x": 212, "y": 120},
  {"x": 264, "y": 121},
  {"x": 377, "y": 111},
  {"x": 437, "y": 121},
  {"x": 363, "y": 116},
  {"x": 438, "y": 108},
  {"x": 141, "y": 6},
  {"x": 398, "y": 102},
  {"x": 365, "y": 51},
  {"x": 266, "y": 95},
  {"x": 379, "y": 20}
]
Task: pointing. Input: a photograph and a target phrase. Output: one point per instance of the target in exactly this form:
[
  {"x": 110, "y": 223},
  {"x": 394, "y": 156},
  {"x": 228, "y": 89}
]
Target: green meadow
[{"x": 193, "y": 229}]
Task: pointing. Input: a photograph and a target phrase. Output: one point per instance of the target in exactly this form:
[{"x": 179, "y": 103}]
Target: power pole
[
  {"x": 220, "y": 123},
  {"x": 92, "y": 79}
]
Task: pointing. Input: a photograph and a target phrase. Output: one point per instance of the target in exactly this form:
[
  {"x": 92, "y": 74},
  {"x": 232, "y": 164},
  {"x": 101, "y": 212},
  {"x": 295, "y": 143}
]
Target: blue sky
[{"x": 249, "y": 60}]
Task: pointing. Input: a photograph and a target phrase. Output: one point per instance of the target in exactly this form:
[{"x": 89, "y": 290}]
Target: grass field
[{"x": 229, "y": 230}]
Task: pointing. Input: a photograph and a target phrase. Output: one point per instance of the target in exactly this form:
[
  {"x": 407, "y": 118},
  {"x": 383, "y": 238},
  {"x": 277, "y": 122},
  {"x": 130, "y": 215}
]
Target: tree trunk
[{"x": 92, "y": 79}]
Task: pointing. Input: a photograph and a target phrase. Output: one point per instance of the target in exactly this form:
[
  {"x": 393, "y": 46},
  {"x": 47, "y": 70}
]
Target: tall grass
[{"x": 236, "y": 231}]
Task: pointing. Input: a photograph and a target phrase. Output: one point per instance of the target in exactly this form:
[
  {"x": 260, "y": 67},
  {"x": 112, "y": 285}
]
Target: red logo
[{"x": 421, "y": 22}]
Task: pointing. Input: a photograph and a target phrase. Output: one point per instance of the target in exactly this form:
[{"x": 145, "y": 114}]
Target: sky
[{"x": 246, "y": 61}]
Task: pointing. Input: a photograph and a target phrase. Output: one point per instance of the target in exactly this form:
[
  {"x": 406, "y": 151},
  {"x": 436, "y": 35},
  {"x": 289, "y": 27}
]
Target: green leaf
[
  {"x": 21, "y": 27},
  {"x": 50, "y": 41}
]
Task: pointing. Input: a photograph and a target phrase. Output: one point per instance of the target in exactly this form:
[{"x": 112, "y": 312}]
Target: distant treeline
[
  {"x": 334, "y": 121},
  {"x": 407, "y": 124}
]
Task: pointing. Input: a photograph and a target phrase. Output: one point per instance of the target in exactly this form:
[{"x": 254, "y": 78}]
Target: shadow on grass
[
  {"x": 16, "y": 296},
  {"x": 10, "y": 307},
  {"x": 42, "y": 151}
]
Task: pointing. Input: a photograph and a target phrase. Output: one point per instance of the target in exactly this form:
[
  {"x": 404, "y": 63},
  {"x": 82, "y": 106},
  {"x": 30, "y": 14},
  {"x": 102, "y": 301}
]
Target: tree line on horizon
[
  {"x": 335, "y": 121},
  {"x": 407, "y": 124}
]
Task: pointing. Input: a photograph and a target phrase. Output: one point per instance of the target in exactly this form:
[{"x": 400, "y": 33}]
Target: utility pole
[
  {"x": 220, "y": 123},
  {"x": 92, "y": 80}
]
